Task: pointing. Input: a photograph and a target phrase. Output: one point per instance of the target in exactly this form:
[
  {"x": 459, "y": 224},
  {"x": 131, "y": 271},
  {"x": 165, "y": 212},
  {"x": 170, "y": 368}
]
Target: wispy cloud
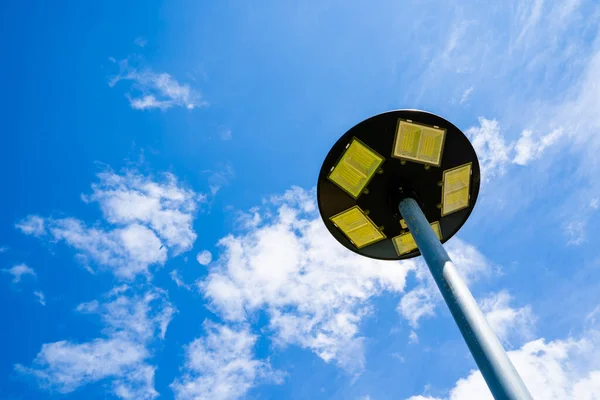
[
  {"x": 528, "y": 16},
  {"x": 150, "y": 90},
  {"x": 413, "y": 337},
  {"x": 132, "y": 323},
  {"x": 148, "y": 219},
  {"x": 18, "y": 271},
  {"x": 3, "y": 249},
  {"x": 495, "y": 154},
  {"x": 220, "y": 177},
  {"x": 32, "y": 225},
  {"x": 466, "y": 94},
  {"x": 176, "y": 277},
  {"x": 127, "y": 251},
  {"x": 222, "y": 366},
  {"x": 40, "y": 297},
  {"x": 492, "y": 151},
  {"x": 528, "y": 148},
  {"x": 510, "y": 324},
  {"x": 417, "y": 303}
]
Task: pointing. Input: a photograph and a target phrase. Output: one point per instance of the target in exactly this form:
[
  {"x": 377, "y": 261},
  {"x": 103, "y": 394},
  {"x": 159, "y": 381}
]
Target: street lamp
[{"x": 400, "y": 184}]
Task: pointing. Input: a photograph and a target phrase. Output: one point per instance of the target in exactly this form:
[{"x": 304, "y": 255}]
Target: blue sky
[{"x": 159, "y": 236}]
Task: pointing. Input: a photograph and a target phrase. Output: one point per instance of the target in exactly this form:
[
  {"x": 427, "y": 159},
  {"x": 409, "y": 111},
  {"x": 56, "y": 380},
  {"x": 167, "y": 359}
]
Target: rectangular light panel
[
  {"x": 358, "y": 227},
  {"x": 420, "y": 143},
  {"x": 405, "y": 243},
  {"x": 456, "y": 185},
  {"x": 356, "y": 168}
]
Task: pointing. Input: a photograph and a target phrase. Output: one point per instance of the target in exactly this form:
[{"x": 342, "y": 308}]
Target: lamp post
[{"x": 399, "y": 185}]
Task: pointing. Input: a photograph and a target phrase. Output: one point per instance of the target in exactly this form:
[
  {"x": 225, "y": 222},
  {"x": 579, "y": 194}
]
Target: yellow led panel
[
  {"x": 356, "y": 168},
  {"x": 357, "y": 227},
  {"x": 420, "y": 143},
  {"x": 455, "y": 193},
  {"x": 405, "y": 243},
  {"x": 436, "y": 229}
]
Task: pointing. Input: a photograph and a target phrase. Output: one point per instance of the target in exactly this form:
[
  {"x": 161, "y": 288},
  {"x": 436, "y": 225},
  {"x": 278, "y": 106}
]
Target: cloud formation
[
  {"x": 466, "y": 94},
  {"x": 151, "y": 90},
  {"x": 510, "y": 324},
  {"x": 164, "y": 205},
  {"x": 221, "y": 366},
  {"x": 133, "y": 321},
  {"x": 32, "y": 225},
  {"x": 495, "y": 154},
  {"x": 147, "y": 219},
  {"x": 40, "y": 297},
  {"x": 176, "y": 277},
  {"x": 18, "y": 271}
]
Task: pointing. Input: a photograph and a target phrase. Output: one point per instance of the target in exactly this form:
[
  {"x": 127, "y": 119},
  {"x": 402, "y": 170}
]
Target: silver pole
[{"x": 499, "y": 373}]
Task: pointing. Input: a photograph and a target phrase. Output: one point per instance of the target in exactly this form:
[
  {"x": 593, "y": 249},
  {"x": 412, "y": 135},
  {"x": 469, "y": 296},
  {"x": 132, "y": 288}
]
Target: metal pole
[{"x": 499, "y": 373}]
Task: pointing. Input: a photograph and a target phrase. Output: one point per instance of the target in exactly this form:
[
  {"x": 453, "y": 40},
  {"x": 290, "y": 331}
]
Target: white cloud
[
  {"x": 148, "y": 218},
  {"x": 176, "y": 277},
  {"x": 495, "y": 154},
  {"x": 528, "y": 149},
  {"x": 221, "y": 366},
  {"x": 156, "y": 90},
  {"x": 492, "y": 151},
  {"x": 65, "y": 366},
  {"x": 555, "y": 370},
  {"x": 165, "y": 206},
  {"x": 127, "y": 251},
  {"x": 148, "y": 101},
  {"x": 18, "y": 271},
  {"x": 466, "y": 94},
  {"x": 508, "y": 323},
  {"x": 315, "y": 292},
  {"x": 418, "y": 303},
  {"x": 41, "y": 298},
  {"x": 132, "y": 323},
  {"x": 592, "y": 318},
  {"x": 595, "y": 203},
  {"x": 3, "y": 249},
  {"x": 413, "y": 337},
  {"x": 251, "y": 219},
  {"x": 32, "y": 225},
  {"x": 204, "y": 257}
]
